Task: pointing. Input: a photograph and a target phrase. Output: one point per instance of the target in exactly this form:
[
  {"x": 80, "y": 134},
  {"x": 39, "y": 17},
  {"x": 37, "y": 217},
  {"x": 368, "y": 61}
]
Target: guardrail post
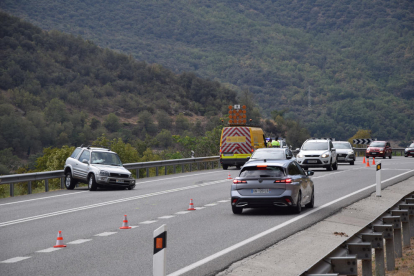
[
  {"x": 182, "y": 168},
  {"x": 410, "y": 208},
  {"x": 29, "y": 187},
  {"x": 156, "y": 171},
  {"x": 363, "y": 251},
  {"x": 174, "y": 169},
  {"x": 137, "y": 173},
  {"x": 165, "y": 170},
  {"x": 386, "y": 230},
  {"x": 198, "y": 166},
  {"x": 148, "y": 172},
  {"x": 403, "y": 214},
  {"x": 344, "y": 265},
  {"x": 11, "y": 189},
  {"x": 377, "y": 242},
  {"x": 396, "y": 224},
  {"x": 62, "y": 183},
  {"x": 191, "y": 167},
  {"x": 46, "y": 185}
]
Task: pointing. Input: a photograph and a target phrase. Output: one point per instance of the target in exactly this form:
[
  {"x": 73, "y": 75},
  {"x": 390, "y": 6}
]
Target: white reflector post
[
  {"x": 378, "y": 191},
  {"x": 160, "y": 245}
]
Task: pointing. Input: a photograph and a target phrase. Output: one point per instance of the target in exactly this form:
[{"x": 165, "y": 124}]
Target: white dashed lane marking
[
  {"x": 79, "y": 241},
  {"x": 166, "y": 217},
  {"x": 182, "y": 212},
  {"x": 148, "y": 222},
  {"x": 14, "y": 260},
  {"x": 48, "y": 250},
  {"x": 211, "y": 204},
  {"x": 134, "y": 226},
  {"x": 199, "y": 208},
  {"x": 105, "y": 234}
]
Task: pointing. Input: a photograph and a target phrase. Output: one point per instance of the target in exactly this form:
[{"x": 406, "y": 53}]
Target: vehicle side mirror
[
  {"x": 248, "y": 157},
  {"x": 309, "y": 173},
  {"x": 85, "y": 161}
]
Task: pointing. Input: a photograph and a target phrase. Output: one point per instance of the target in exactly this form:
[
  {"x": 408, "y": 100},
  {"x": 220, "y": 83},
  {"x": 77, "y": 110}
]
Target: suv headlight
[
  {"x": 104, "y": 173},
  {"x": 351, "y": 152},
  {"x": 325, "y": 155},
  {"x": 300, "y": 155}
]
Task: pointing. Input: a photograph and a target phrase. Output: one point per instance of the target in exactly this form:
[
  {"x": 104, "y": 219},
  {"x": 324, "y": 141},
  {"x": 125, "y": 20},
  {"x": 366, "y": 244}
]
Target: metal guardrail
[
  {"x": 45, "y": 176},
  {"x": 361, "y": 151},
  {"x": 395, "y": 226}
]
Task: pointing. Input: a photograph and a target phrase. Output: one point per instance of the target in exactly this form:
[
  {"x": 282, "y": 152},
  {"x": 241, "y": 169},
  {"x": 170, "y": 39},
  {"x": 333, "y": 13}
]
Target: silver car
[
  {"x": 98, "y": 167},
  {"x": 271, "y": 154},
  {"x": 344, "y": 151},
  {"x": 281, "y": 183}
]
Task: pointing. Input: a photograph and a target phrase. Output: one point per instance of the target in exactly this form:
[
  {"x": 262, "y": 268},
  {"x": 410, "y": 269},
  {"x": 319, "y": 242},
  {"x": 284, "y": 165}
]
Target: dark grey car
[{"x": 281, "y": 183}]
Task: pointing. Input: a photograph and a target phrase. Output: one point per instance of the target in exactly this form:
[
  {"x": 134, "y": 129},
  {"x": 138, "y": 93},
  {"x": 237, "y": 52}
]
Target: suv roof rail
[
  {"x": 323, "y": 138},
  {"x": 81, "y": 146}
]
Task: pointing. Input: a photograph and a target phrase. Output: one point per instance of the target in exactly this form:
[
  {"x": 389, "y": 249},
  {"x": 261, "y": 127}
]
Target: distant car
[
  {"x": 344, "y": 151},
  {"x": 379, "y": 149},
  {"x": 271, "y": 154},
  {"x": 318, "y": 153},
  {"x": 97, "y": 167},
  {"x": 409, "y": 151},
  {"x": 281, "y": 183}
]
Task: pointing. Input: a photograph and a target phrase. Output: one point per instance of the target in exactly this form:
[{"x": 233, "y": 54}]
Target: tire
[
  {"x": 405, "y": 155},
  {"x": 351, "y": 163},
  {"x": 390, "y": 156},
  {"x": 238, "y": 167},
  {"x": 92, "y": 183},
  {"x": 329, "y": 167},
  {"x": 131, "y": 188},
  {"x": 298, "y": 208},
  {"x": 70, "y": 183},
  {"x": 225, "y": 167},
  {"x": 312, "y": 202},
  {"x": 236, "y": 210},
  {"x": 335, "y": 166},
  {"x": 384, "y": 156}
]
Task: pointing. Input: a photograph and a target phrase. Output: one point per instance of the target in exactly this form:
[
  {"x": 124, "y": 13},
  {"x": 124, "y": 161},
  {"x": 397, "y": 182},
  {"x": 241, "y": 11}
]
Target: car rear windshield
[
  {"x": 106, "y": 158},
  {"x": 269, "y": 171},
  {"x": 342, "y": 145},
  {"x": 315, "y": 146},
  {"x": 269, "y": 154},
  {"x": 377, "y": 144}
]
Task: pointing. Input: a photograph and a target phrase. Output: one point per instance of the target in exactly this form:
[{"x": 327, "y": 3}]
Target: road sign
[{"x": 364, "y": 141}]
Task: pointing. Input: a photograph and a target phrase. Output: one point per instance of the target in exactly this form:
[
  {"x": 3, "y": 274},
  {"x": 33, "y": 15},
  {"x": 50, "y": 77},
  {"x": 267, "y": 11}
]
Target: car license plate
[
  {"x": 312, "y": 161},
  {"x": 260, "y": 191},
  {"x": 228, "y": 154},
  {"x": 119, "y": 181},
  {"x": 341, "y": 158},
  {"x": 373, "y": 153}
]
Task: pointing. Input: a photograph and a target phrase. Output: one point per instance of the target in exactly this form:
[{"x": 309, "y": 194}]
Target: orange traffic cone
[
  {"x": 373, "y": 160},
  {"x": 125, "y": 223},
  {"x": 363, "y": 161},
  {"x": 59, "y": 241},
  {"x": 367, "y": 163},
  {"x": 191, "y": 207},
  {"x": 229, "y": 177}
]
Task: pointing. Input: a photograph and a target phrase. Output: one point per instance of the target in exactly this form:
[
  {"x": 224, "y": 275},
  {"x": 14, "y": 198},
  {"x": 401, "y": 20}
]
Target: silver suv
[
  {"x": 96, "y": 167},
  {"x": 318, "y": 153}
]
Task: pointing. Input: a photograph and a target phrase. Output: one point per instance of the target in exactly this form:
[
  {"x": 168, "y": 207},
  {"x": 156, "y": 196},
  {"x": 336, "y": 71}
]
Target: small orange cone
[
  {"x": 59, "y": 241},
  {"x": 125, "y": 223},
  {"x": 367, "y": 163},
  {"x": 229, "y": 177},
  {"x": 373, "y": 161},
  {"x": 191, "y": 207},
  {"x": 363, "y": 161}
]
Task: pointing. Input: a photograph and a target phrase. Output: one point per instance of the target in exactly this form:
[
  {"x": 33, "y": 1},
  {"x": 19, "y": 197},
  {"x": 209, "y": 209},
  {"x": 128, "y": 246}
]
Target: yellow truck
[{"x": 237, "y": 143}]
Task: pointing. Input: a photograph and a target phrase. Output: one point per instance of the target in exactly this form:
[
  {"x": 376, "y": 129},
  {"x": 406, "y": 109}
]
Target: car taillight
[
  {"x": 288, "y": 181},
  {"x": 236, "y": 181}
]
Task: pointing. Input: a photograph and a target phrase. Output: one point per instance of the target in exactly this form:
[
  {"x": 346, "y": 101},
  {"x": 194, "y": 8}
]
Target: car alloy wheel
[
  {"x": 298, "y": 208},
  {"x": 92, "y": 183}
]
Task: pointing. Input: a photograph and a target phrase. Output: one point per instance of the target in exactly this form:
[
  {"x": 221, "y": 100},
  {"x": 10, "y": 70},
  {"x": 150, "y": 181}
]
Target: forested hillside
[{"x": 356, "y": 56}]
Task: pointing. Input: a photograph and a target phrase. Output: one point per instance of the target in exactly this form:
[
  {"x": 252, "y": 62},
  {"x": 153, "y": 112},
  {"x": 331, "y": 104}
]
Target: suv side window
[
  {"x": 75, "y": 153},
  {"x": 85, "y": 155},
  {"x": 293, "y": 170}
]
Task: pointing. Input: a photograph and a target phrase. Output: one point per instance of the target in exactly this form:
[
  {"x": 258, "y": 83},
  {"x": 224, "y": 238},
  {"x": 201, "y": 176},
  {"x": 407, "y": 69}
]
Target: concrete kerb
[{"x": 295, "y": 254}]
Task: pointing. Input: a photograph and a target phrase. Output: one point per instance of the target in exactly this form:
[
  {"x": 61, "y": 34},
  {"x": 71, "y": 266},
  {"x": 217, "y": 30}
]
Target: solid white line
[
  {"x": 79, "y": 241},
  {"x": 105, "y": 234},
  {"x": 2, "y": 224},
  {"x": 148, "y": 222},
  {"x": 260, "y": 235},
  {"x": 163, "y": 179},
  {"x": 41, "y": 198},
  {"x": 48, "y": 250},
  {"x": 14, "y": 260}
]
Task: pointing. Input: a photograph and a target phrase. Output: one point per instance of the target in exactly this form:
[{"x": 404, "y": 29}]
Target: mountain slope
[{"x": 356, "y": 56}]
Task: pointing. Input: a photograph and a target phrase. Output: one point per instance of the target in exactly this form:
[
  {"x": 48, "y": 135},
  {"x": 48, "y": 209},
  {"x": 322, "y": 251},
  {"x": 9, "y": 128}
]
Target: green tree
[
  {"x": 55, "y": 111},
  {"x": 112, "y": 122}
]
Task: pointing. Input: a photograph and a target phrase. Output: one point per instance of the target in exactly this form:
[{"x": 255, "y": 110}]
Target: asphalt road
[{"x": 200, "y": 242}]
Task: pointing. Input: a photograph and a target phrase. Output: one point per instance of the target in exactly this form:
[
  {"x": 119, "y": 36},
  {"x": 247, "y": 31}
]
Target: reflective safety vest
[
  {"x": 269, "y": 144},
  {"x": 275, "y": 143}
]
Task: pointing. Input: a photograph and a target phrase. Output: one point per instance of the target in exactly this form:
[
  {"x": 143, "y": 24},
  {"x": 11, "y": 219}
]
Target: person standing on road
[
  {"x": 275, "y": 144},
  {"x": 269, "y": 143}
]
